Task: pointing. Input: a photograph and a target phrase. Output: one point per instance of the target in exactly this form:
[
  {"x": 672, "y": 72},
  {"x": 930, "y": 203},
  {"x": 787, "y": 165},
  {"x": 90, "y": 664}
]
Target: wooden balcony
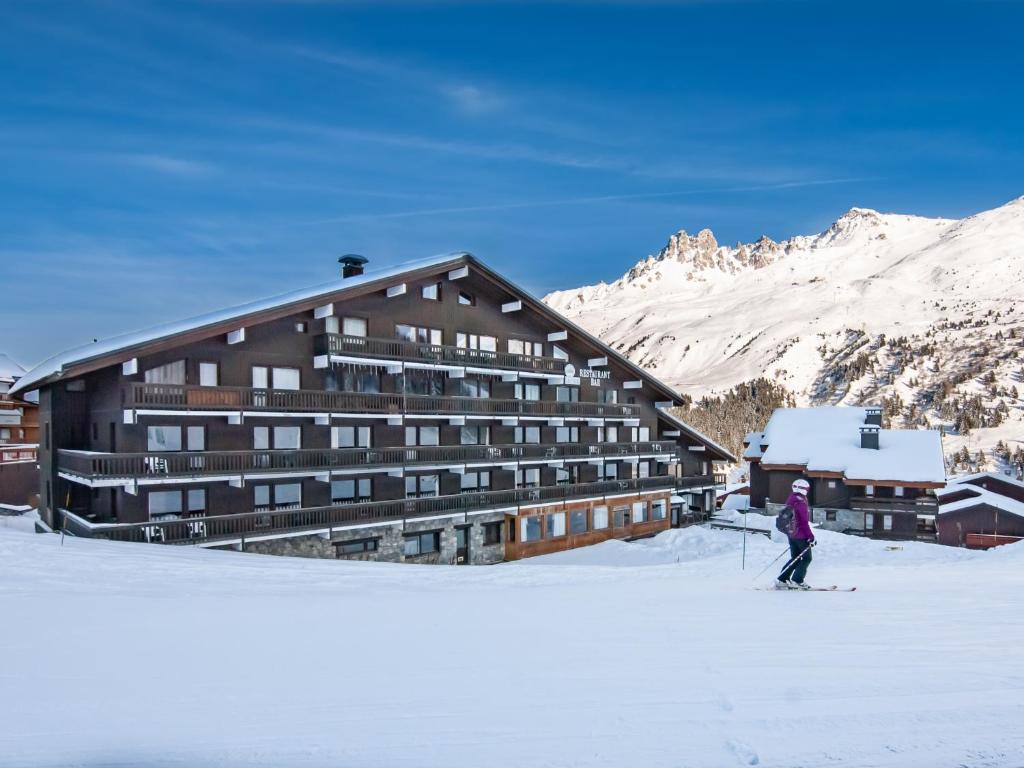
[
  {"x": 398, "y": 349},
  {"x": 112, "y": 467},
  {"x": 255, "y": 524},
  {"x": 196, "y": 398},
  {"x": 925, "y": 505}
]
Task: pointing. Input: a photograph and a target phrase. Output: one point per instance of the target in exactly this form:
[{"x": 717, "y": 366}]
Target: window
[
  {"x": 169, "y": 373},
  {"x": 527, "y": 435},
  {"x": 418, "y": 334},
  {"x": 284, "y": 438},
  {"x": 472, "y": 482},
  {"x": 607, "y": 434},
  {"x": 643, "y": 469},
  {"x": 830, "y": 515},
  {"x": 285, "y": 496},
  {"x": 300, "y": 327},
  {"x": 609, "y": 471},
  {"x": 356, "y": 379},
  {"x": 195, "y": 438},
  {"x": 658, "y": 509},
  {"x": 163, "y": 438},
  {"x": 425, "y": 435},
  {"x": 5, "y": 434},
  {"x": 642, "y": 435},
  {"x": 354, "y": 326},
  {"x": 869, "y": 490},
  {"x": 164, "y": 503},
  {"x": 600, "y": 515},
  {"x": 527, "y": 391},
  {"x": 528, "y": 478},
  {"x": 621, "y": 516},
  {"x": 610, "y": 396},
  {"x": 276, "y": 378},
  {"x": 887, "y": 522},
  {"x": 521, "y": 347},
  {"x": 351, "y": 491},
  {"x": 473, "y": 386},
  {"x": 897, "y": 491},
  {"x": 420, "y": 485},
  {"x": 474, "y": 341},
  {"x": 558, "y": 353},
  {"x": 422, "y": 543},
  {"x": 285, "y": 378},
  {"x": 209, "y": 375},
  {"x": 567, "y": 475},
  {"x": 831, "y": 483},
  {"x": 467, "y": 299},
  {"x": 567, "y": 394},
  {"x": 556, "y": 525},
  {"x": 639, "y": 511},
  {"x": 431, "y": 292},
  {"x": 423, "y": 383},
  {"x": 196, "y": 501},
  {"x": 578, "y": 521},
  {"x": 350, "y": 437},
  {"x": 356, "y": 546},
  {"x": 869, "y": 520},
  {"x": 492, "y": 534},
  {"x": 475, "y": 435},
  {"x": 567, "y": 434},
  {"x": 530, "y": 528}
]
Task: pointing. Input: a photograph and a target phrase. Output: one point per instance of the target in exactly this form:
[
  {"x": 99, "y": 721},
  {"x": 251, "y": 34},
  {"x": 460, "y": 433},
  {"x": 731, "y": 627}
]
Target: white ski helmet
[{"x": 801, "y": 486}]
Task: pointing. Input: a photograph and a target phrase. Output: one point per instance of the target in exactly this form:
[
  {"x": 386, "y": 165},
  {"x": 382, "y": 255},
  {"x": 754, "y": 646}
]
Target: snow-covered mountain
[{"x": 879, "y": 305}]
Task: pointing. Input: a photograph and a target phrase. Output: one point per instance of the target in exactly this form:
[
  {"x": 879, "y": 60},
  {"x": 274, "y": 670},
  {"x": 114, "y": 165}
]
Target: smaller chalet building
[
  {"x": 864, "y": 479},
  {"x": 19, "y": 435},
  {"x": 980, "y": 511}
]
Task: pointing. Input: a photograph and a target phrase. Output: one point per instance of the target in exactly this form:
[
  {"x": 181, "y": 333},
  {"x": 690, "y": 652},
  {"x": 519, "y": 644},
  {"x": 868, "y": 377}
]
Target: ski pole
[
  {"x": 771, "y": 564},
  {"x": 791, "y": 561}
]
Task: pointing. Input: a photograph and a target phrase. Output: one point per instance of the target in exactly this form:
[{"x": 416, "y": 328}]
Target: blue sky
[{"x": 162, "y": 159}]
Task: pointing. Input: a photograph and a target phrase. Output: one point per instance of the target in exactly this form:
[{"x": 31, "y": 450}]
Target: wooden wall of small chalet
[{"x": 953, "y": 527}]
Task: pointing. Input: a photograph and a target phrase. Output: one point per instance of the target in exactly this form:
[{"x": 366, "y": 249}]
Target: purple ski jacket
[{"x": 801, "y": 523}]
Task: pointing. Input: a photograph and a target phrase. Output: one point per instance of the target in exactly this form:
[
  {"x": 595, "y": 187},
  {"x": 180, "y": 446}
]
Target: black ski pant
[{"x": 797, "y": 569}]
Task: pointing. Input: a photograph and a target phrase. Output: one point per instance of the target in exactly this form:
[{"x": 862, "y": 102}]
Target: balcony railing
[
  {"x": 254, "y": 524},
  {"x": 110, "y": 466},
  {"x": 398, "y": 349},
  {"x": 190, "y": 397},
  {"x": 923, "y": 504}
]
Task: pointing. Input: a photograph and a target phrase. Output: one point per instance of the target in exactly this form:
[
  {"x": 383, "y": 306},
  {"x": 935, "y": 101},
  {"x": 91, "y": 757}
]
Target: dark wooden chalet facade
[
  {"x": 435, "y": 413},
  {"x": 981, "y": 511},
  {"x": 864, "y": 480}
]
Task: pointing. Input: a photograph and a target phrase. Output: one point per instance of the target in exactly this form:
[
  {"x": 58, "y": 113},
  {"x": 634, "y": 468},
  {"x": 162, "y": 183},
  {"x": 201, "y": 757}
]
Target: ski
[{"x": 833, "y": 588}]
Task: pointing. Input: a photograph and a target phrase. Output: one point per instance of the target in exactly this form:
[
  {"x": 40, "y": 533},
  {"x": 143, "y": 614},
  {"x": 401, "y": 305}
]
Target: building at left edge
[
  {"x": 429, "y": 413},
  {"x": 19, "y": 433}
]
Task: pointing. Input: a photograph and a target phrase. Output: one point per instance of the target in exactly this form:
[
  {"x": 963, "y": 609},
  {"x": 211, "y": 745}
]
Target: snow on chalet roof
[
  {"x": 57, "y": 363},
  {"x": 9, "y": 370},
  {"x": 753, "y": 443},
  {"x": 827, "y": 439},
  {"x": 979, "y": 495}
]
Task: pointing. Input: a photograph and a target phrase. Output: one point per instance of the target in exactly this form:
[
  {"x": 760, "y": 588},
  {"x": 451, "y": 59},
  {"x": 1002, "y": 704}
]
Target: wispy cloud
[
  {"x": 584, "y": 200},
  {"x": 168, "y": 165}
]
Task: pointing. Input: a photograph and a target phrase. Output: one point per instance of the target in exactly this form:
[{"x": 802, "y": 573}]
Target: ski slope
[{"x": 657, "y": 653}]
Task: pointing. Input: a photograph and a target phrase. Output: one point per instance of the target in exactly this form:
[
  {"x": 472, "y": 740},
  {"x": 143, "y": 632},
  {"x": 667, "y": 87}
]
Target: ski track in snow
[{"x": 654, "y": 653}]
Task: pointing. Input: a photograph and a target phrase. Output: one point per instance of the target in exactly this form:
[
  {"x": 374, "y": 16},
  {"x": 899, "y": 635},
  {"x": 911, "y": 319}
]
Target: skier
[{"x": 801, "y": 539}]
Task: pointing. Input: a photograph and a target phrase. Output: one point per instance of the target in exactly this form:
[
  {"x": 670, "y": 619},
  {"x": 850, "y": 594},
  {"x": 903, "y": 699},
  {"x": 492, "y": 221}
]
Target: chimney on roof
[
  {"x": 869, "y": 436},
  {"x": 352, "y": 264},
  {"x": 873, "y": 415}
]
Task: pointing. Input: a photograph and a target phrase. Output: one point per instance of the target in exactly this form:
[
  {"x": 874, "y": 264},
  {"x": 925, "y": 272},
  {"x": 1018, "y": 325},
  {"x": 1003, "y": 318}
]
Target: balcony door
[{"x": 462, "y": 546}]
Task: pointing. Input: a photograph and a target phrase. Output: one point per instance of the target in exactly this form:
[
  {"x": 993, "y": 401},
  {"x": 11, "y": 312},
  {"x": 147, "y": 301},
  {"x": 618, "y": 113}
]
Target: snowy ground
[{"x": 657, "y": 653}]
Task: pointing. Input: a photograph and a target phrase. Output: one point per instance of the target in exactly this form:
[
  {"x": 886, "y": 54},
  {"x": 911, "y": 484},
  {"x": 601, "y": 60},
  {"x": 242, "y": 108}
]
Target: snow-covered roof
[
  {"x": 697, "y": 434},
  {"x": 57, "y": 363},
  {"x": 753, "y": 443},
  {"x": 980, "y": 496},
  {"x": 9, "y": 370},
  {"x": 738, "y": 501},
  {"x": 827, "y": 439}
]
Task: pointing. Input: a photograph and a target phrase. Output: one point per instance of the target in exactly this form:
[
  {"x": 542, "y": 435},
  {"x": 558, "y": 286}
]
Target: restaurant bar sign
[{"x": 587, "y": 373}]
